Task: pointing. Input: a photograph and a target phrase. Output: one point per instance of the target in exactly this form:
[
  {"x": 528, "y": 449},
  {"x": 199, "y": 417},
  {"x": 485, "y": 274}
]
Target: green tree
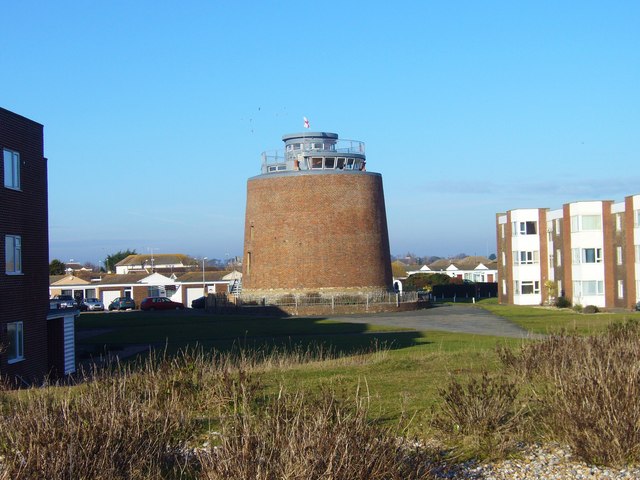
[
  {"x": 56, "y": 267},
  {"x": 111, "y": 260},
  {"x": 398, "y": 269},
  {"x": 425, "y": 281}
]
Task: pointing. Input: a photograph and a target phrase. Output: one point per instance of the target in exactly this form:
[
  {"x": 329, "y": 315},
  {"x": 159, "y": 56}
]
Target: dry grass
[
  {"x": 482, "y": 418},
  {"x": 144, "y": 421},
  {"x": 296, "y": 437},
  {"x": 589, "y": 387}
]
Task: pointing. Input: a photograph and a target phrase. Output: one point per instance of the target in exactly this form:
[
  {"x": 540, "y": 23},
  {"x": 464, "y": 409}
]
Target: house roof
[
  {"x": 209, "y": 276},
  {"x": 467, "y": 263},
  {"x": 68, "y": 279},
  {"x": 122, "y": 278},
  {"x": 158, "y": 259}
]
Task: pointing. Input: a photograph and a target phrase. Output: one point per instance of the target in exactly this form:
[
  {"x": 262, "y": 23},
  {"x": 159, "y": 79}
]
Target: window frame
[
  {"x": 11, "y": 162},
  {"x": 578, "y": 223},
  {"x": 16, "y": 252},
  {"x": 16, "y": 343}
]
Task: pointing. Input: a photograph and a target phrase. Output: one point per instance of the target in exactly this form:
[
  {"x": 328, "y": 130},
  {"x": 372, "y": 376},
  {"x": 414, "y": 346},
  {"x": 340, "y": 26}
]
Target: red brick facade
[
  {"x": 23, "y": 213},
  {"x": 314, "y": 231}
]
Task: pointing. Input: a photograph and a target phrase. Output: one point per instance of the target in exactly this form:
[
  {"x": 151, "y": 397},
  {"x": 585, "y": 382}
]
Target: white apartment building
[{"x": 587, "y": 252}]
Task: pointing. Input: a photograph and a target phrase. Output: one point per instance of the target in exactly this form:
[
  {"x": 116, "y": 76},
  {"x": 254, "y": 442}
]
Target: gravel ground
[{"x": 549, "y": 462}]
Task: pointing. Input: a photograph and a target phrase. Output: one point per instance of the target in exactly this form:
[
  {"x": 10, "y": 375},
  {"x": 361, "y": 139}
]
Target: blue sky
[{"x": 156, "y": 113}]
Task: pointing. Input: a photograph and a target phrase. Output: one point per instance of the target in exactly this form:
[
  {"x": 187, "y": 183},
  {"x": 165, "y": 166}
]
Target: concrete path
[{"x": 450, "y": 318}]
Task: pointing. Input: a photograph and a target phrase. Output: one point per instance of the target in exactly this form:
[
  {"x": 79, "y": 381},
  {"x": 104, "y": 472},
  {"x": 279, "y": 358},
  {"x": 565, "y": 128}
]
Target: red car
[{"x": 160, "y": 303}]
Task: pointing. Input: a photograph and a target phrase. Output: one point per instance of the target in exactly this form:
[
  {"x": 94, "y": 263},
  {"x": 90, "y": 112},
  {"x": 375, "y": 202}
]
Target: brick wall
[
  {"x": 306, "y": 231},
  {"x": 24, "y": 212}
]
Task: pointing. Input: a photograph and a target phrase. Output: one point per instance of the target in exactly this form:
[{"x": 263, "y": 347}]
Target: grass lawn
[
  {"x": 552, "y": 320},
  {"x": 402, "y": 377}
]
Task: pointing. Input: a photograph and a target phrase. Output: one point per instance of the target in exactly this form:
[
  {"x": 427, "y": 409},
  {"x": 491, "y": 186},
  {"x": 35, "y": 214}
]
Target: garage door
[
  {"x": 192, "y": 294},
  {"x": 108, "y": 297}
]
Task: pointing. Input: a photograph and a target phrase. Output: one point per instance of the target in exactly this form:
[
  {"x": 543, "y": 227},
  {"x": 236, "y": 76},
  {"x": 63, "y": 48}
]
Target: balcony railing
[{"x": 291, "y": 158}]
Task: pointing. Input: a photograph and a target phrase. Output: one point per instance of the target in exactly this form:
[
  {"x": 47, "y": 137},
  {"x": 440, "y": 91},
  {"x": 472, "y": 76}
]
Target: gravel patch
[{"x": 549, "y": 462}]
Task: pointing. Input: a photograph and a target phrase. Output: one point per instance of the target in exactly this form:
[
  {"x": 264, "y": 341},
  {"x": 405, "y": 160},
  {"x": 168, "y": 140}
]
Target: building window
[
  {"x": 15, "y": 350},
  {"x": 502, "y": 230},
  {"x": 558, "y": 257},
  {"x": 504, "y": 259},
  {"x": 528, "y": 258},
  {"x": 526, "y": 287},
  {"x": 524, "y": 228},
  {"x": 620, "y": 289},
  {"x": 586, "y": 255},
  {"x": 560, "y": 291},
  {"x": 636, "y": 218},
  {"x": 13, "y": 254},
  {"x": 530, "y": 287},
  {"x": 637, "y": 249},
  {"x": 618, "y": 222},
  {"x": 558, "y": 223},
  {"x": 619, "y": 255},
  {"x": 588, "y": 287},
  {"x": 581, "y": 223},
  {"x": 504, "y": 287},
  {"x": 11, "y": 169}
]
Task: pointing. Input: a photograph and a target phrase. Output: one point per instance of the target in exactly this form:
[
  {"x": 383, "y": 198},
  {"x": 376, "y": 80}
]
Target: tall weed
[
  {"x": 590, "y": 388},
  {"x": 298, "y": 437}
]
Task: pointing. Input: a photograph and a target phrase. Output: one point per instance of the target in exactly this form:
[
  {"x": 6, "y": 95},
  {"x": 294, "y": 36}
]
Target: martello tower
[{"x": 315, "y": 220}]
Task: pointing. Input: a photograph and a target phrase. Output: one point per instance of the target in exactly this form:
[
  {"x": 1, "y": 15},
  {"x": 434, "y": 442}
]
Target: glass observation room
[{"x": 315, "y": 151}]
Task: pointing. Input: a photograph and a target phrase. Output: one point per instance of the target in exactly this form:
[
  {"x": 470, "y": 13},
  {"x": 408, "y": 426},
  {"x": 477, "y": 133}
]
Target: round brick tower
[{"x": 315, "y": 220}]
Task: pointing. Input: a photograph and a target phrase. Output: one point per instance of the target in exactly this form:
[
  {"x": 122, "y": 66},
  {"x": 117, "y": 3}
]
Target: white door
[
  {"x": 108, "y": 297},
  {"x": 192, "y": 294}
]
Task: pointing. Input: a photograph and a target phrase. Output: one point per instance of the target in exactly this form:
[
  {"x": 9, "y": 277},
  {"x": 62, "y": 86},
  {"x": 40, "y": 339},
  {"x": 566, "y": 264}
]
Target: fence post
[
  {"x": 332, "y": 303},
  {"x": 397, "y": 299},
  {"x": 367, "y": 305}
]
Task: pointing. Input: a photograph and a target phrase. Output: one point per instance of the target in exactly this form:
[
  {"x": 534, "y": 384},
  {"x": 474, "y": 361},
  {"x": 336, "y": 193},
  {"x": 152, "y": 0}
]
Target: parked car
[
  {"x": 199, "y": 302},
  {"x": 160, "y": 303},
  {"x": 638, "y": 306},
  {"x": 122, "y": 303},
  {"x": 66, "y": 301},
  {"x": 92, "y": 304}
]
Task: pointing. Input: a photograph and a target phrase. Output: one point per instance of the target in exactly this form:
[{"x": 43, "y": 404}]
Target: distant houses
[
  {"x": 474, "y": 269},
  {"x": 181, "y": 287}
]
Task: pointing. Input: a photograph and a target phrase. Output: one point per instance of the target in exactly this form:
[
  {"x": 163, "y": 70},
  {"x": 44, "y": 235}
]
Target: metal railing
[
  {"x": 342, "y": 146},
  {"x": 333, "y": 300}
]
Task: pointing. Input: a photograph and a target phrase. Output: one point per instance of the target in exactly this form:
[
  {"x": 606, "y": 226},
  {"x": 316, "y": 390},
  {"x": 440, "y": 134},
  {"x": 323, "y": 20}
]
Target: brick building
[
  {"x": 35, "y": 339},
  {"x": 587, "y": 252},
  {"x": 315, "y": 220}
]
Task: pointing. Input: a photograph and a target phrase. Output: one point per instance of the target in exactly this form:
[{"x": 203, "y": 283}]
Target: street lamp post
[{"x": 204, "y": 288}]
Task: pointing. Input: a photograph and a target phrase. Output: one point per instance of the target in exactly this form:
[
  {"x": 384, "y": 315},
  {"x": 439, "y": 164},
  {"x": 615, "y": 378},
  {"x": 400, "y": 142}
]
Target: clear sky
[{"x": 156, "y": 112}]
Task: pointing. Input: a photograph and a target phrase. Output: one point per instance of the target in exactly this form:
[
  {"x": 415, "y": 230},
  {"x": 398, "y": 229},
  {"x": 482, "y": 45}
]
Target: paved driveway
[{"x": 450, "y": 318}]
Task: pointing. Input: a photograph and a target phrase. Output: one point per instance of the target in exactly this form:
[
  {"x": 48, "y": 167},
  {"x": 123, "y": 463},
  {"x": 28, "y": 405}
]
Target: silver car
[{"x": 92, "y": 304}]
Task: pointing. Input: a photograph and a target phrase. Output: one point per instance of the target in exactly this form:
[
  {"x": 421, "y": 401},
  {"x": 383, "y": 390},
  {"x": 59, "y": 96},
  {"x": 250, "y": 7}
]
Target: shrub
[
  {"x": 590, "y": 386},
  {"x": 483, "y": 417},
  {"x": 562, "y": 302},
  {"x": 577, "y": 308},
  {"x": 590, "y": 309},
  {"x": 296, "y": 437},
  {"x": 125, "y": 422}
]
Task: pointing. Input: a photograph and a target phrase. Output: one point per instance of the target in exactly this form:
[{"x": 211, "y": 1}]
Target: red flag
[{"x": 306, "y": 122}]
